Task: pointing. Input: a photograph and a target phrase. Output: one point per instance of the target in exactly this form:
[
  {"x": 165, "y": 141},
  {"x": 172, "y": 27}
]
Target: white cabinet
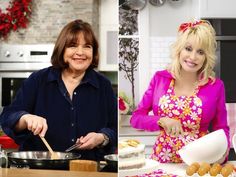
[
  {"x": 127, "y": 132},
  {"x": 216, "y": 8},
  {"x": 108, "y": 35}
]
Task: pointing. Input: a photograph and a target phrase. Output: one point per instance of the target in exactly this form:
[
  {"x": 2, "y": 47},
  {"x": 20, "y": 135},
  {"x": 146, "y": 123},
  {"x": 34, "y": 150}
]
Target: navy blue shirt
[{"x": 93, "y": 108}]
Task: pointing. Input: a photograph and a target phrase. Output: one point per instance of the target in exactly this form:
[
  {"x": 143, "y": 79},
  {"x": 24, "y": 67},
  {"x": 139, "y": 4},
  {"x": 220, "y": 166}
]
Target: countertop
[
  {"x": 172, "y": 169},
  {"x": 179, "y": 169},
  {"x": 5, "y": 172}
]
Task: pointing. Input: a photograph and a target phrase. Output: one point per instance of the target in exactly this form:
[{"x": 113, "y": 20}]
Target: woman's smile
[
  {"x": 190, "y": 64},
  {"x": 80, "y": 59}
]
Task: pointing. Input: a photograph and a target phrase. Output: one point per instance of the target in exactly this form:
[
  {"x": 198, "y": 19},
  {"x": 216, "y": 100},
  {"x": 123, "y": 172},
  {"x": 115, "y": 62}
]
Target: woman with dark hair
[{"x": 68, "y": 102}]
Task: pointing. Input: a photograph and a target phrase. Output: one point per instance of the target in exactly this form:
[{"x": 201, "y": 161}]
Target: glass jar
[{"x": 3, "y": 159}]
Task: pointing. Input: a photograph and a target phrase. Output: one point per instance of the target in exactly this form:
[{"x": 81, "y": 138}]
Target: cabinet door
[
  {"x": 108, "y": 48},
  {"x": 217, "y": 8},
  {"x": 108, "y": 35}
]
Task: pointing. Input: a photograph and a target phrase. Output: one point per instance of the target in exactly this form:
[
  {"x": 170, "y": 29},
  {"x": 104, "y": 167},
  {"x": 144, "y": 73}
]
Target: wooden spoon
[{"x": 53, "y": 154}]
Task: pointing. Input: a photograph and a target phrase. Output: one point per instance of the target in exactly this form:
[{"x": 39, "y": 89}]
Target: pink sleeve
[
  {"x": 220, "y": 119},
  {"x": 140, "y": 118}
]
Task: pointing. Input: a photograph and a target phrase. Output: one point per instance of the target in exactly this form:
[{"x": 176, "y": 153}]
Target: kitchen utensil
[
  {"x": 212, "y": 147},
  {"x": 134, "y": 4},
  {"x": 175, "y": 1},
  {"x": 112, "y": 160},
  {"x": 42, "y": 159},
  {"x": 73, "y": 147},
  {"x": 53, "y": 154},
  {"x": 3, "y": 159},
  {"x": 157, "y": 3}
]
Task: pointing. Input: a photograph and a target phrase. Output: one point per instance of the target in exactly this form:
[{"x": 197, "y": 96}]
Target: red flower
[
  {"x": 16, "y": 16},
  {"x": 121, "y": 104},
  {"x": 184, "y": 26}
]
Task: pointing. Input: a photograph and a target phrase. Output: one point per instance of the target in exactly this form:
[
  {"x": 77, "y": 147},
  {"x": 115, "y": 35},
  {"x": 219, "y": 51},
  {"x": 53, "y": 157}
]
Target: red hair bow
[{"x": 184, "y": 26}]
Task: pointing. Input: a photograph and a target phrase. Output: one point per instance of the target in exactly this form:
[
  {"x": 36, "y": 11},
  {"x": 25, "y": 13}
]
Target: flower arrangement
[
  {"x": 124, "y": 104},
  {"x": 16, "y": 16}
]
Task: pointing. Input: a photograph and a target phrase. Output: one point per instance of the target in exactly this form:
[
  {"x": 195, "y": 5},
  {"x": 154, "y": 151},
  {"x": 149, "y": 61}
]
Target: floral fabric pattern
[
  {"x": 187, "y": 109},
  {"x": 157, "y": 173}
]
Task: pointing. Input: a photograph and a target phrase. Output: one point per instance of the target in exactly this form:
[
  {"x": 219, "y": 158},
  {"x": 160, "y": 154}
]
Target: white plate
[{"x": 150, "y": 166}]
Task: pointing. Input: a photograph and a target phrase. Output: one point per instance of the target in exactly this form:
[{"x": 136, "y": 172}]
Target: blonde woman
[{"x": 186, "y": 97}]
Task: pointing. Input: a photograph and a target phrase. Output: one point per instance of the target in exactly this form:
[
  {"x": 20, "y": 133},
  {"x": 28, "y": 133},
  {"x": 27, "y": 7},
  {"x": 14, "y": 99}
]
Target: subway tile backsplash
[
  {"x": 48, "y": 17},
  {"x": 160, "y": 52}
]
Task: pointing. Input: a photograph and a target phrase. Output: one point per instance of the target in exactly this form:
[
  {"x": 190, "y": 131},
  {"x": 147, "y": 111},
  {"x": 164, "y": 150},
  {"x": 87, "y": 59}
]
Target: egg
[
  {"x": 197, "y": 165},
  {"x": 217, "y": 165},
  {"x": 205, "y": 165},
  {"x": 191, "y": 170},
  {"x": 202, "y": 171},
  {"x": 226, "y": 171},
  {"x": 229, "y": 165},
  {"x": 214, "y": 171}
]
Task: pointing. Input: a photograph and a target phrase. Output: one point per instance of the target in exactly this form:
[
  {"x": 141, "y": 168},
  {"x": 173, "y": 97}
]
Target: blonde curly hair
[{"x": 204, "y": 35}]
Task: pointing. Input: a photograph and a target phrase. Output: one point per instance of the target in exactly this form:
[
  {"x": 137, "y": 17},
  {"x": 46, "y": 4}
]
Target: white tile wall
[{"x": 160, "y": 52}]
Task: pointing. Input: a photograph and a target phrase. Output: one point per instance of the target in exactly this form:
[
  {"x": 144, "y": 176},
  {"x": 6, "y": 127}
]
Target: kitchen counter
[
  {"x": 177, "y": 169},
  {"x": 5, "y": 172}
]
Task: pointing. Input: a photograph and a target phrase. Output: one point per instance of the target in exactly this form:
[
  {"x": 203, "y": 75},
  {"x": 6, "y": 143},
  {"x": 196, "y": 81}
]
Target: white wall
[
  {"x": 108, "y": 34},
  {"x": 163, "y": 23},
  {"x": 164, "y": 20}
]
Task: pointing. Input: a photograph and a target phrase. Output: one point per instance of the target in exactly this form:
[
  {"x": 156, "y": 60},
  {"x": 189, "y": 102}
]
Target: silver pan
[
  {"x": 41, "y": 159},
  {"x": 112, "y": 160}
]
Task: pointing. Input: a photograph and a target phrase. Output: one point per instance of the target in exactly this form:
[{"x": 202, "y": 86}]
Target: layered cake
[
  {"x": 207, "y": 170},
  {"x": 131, "y": 154}
]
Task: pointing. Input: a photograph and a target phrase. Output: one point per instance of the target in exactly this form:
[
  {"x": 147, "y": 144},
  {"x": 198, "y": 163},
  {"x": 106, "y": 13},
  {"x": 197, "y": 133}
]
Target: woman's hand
[
  {"x": 36, "y": 124},
  {"x": 171, "y": 126},
  {"x": 90, "y": 141}
]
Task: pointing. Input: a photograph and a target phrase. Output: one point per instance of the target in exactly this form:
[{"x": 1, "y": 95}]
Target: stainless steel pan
[
  {"x": 42, "y": 159},
  {"x": 112, "y": 160}
]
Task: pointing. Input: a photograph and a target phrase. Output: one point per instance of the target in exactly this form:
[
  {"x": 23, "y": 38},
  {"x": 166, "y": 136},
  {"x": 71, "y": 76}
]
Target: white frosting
[
  {"x": 130, "y": 149},
  {"x": 131, "y": 156},
  {"x": 131, "y": 163},
  {"x": 139, "y": 156}
]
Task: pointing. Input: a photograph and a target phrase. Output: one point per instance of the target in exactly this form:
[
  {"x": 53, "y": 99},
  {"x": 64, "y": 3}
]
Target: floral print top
[{"x": 187, "y": 109}]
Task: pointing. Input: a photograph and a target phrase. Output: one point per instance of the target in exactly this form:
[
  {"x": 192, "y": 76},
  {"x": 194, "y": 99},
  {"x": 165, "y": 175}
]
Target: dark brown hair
[{"x": 69, "y": 35}]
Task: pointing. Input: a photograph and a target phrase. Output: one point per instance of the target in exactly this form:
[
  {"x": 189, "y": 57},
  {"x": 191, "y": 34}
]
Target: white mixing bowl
[{"x": 209, "y": 148}]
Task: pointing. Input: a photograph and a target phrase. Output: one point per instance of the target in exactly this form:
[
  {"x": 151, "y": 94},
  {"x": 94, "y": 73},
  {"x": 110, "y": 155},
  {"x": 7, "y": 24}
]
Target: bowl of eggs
[{"x": 212, "y": 148}]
